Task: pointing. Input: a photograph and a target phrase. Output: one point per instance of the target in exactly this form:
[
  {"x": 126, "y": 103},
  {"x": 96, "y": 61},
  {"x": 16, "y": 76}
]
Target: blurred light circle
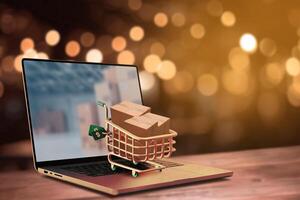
[
  {"x": 151, "y": 63},
  {"x": 178, "y": 19},
  {"x": 7, "y": 63},
  {"x": 135, "y": 4},
  {"x": 136, "y": 33},
  {"x": 214, "y": 8},
  {"x": 197, "y": 31},
  {"x": 94, "y": 55},
  {"x": 26, "y": 43},
  {"x": 30, "y": 53},
  {"x": 207, "y": 84},
  {"x": 238, "y": 59},
  {"x": 236, "y": 82},
  {"x": 126, "y": 57},
  {"x": 42, "y": 55},
  {"x": 87, "y": 39},
  {"x": 18, "y": 63},
  {"x": 248, "y": 42},
  {"x": 160, "y": 19},
  {"x": 267, "y": 47},
  {"x": 292, "y": 66},
  {"x": 147, "y": 80},
  {"x": 183, "y": 81},
  {"x": 158, "y": 49},
  {"x": 1, "y": 89},
  {"x": 119, "y": 43},
  {"x": 296, "y": 51},
  {"x": 228, "y": 18},
  {"x": 293, "y": 95},
  {"x": 274, "y": 73},
  {"x": 166, "y": 70},
  {"x": 52, "y": 37},
  {"x": 72, "y": 48}
]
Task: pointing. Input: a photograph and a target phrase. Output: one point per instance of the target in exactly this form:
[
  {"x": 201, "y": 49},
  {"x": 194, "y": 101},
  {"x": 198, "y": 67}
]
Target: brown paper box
[
  {"x": 163, "y": 123},
  {"x": 141, "y": 126},
  {"x": 125, "y": 110}
]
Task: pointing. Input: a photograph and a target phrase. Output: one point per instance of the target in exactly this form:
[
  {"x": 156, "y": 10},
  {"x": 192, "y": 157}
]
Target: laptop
[{"x": 61, "y": 101}]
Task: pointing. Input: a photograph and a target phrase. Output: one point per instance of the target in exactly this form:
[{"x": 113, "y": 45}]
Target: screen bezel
[{"x": 63, "y": 161}]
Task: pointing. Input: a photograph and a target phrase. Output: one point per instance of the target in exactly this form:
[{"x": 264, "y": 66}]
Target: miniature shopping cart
[{"x": 126, "y": 145}]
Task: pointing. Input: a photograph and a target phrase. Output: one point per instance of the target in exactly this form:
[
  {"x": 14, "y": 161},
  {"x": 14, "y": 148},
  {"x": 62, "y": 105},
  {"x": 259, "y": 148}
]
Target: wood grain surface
[{"x": 258, "y": 174}]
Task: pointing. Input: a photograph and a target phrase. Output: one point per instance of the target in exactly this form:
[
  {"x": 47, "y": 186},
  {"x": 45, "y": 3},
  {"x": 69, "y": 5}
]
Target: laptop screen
[{"x": 62, "y": 104}]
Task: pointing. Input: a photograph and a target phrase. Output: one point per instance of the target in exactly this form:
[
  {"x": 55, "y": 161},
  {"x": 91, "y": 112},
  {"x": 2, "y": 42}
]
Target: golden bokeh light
[
  {"x": 228, "y": 18},
  {"x": 166, "y": 70},
  {"x": 42, "y": 55},
  {"x": 136, "y": 33},
  {"x": 151, "y": 63},
  {"x": 292, "y": 66},
  {"x": 126, "y": 57},
  {"x": 52, "y": 37},
  {"x": 274, "y": 72},
  {"x": 293, "y": 95},
  {"x": 238, "y": 59},
  {"x": 147, "y": 80},
  {"x": 296, "y": 51},
  {"x": 26, "y": 43},
  {"x": 7, "y": 63},
  {"x": 94, "y": 55},
  {"x": 178, "y": 19},
  {"x": 87, "y": 39},
  {"x": 207, "y": 84},
  {"x": 161, "y": 19},
  {"x": 135, "y": 4},
  {"x": 1, "y": 89},
  {"x": 72, "y": 48},
  {"x": 18, "y": 63},
  {"x": 236, "y": 82},
  {"x": 197, "y": 31},
  {"x": 158, "y": 49},
  {"x": 267, "y": 47},
  {"x": 214, "y": 8},
  {"x": 118, "y": 43},
  {"x": 183, "y": 81},
  {"x": 248, "y": 42},
  {"x": 30, "y": 53}
]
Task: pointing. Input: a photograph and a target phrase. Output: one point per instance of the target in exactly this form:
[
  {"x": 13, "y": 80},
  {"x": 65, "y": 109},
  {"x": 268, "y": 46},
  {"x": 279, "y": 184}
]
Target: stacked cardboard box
[{"x": 138, "y": 120}]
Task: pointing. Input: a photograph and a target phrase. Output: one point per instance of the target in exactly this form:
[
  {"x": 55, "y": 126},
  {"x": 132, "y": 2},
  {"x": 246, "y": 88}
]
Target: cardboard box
[
  {"x": 163, "y": 123},
  {"x": 125, "y": 110},
  {"x": 141, "y": 126}
]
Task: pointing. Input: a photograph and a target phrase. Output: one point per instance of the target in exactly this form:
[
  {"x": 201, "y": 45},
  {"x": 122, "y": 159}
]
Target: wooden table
[{"x": 258, "y": 174}]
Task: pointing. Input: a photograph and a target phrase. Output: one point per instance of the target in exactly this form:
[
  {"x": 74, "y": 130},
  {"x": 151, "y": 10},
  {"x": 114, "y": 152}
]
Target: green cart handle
[{"x": 99, "y": 132}]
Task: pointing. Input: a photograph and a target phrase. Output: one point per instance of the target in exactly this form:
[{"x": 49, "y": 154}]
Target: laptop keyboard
[{"x": 103, "y": 168}]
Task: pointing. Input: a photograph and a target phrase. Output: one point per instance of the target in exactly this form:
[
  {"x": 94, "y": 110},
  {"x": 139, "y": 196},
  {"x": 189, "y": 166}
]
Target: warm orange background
[{"x": 226, "y": 72}]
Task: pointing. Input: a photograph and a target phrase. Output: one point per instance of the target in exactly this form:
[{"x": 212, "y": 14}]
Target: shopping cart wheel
[
  {"x": 113, "y": 167},
  {"x": 134, "y": 174}
]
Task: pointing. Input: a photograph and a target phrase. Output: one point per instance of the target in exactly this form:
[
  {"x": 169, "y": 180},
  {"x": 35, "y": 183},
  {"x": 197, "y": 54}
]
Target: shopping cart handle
[
  {"x": 97, "y": 132},
  {"x": 100, "y": 103}
]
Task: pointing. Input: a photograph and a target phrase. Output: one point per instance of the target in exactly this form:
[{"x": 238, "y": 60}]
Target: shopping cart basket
[{"x": 123, "y": 144}]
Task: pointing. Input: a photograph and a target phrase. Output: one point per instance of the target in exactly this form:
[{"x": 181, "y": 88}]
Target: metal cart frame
[{"x": 123, "y": 144}]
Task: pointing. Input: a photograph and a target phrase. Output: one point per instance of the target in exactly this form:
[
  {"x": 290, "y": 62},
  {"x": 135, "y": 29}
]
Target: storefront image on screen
[{"x": 62, "y": 102}]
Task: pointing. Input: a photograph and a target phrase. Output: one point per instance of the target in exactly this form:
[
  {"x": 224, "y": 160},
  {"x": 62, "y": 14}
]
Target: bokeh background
[{"x": 227, "y": 72}]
